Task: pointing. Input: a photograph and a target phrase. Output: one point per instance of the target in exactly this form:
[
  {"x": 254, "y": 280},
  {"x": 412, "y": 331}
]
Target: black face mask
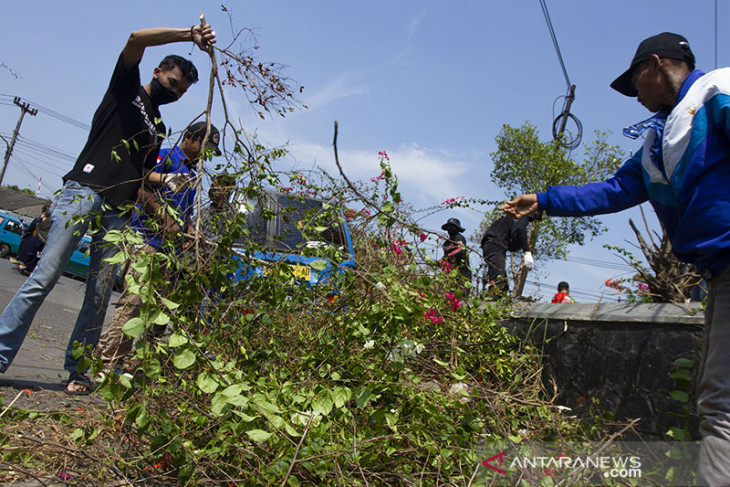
[{"x": 161, "y": 95}]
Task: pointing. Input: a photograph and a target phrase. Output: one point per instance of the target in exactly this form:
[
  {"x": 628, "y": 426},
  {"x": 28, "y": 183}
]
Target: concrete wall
[{"x": 617, "y": 354}]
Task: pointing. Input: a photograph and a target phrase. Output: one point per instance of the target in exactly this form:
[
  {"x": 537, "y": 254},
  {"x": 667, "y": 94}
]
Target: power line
[
  {"x": 30, "y": 173},
  {"x": 41, "y": 163},
  {"x": 49, "y": 112},
  {"x": 48, "y": 149},
  {"x": 599, "y": 263},
  {"x": 555, "y": 41},
  {"x": 561, "y": 120}
]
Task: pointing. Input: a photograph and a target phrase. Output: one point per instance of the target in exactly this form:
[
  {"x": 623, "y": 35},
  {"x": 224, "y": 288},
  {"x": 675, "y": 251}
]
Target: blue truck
[
  {"x": 276, "y": 221},
  {"x": 11, "y": 229}
]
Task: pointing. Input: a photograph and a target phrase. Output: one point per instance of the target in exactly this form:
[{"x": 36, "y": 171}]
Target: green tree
[
  {"x": 15, "y": 187},
  {"x": 524, "y": 164}
]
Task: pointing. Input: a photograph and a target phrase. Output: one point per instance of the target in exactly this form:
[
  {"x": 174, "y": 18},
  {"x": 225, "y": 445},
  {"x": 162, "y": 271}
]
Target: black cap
[
  {"x": 452, "y": 222},
  {"x": 664, "y": 45},
  {"x": 198, "y": 130},
  {"x": 563, "y": 285}
]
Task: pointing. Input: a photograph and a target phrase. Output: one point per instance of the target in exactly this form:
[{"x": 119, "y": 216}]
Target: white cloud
[
  {"x": 411, "y": 31},
  {"x": 426, "y": 176},
  {"x": 340, "y": 87}
]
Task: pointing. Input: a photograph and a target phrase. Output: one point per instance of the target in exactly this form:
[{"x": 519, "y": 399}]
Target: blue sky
[{"x": 429, "y": 81}]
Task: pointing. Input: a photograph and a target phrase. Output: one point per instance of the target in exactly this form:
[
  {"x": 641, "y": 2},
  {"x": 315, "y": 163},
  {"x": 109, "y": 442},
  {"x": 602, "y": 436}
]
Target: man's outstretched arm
[{"x": 138, "y": 40}]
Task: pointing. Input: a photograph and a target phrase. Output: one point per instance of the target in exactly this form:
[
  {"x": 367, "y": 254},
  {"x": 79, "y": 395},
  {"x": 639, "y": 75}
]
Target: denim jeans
[
  {"x": 713, "y": 404},
  {"x": 73, "y": 211}
]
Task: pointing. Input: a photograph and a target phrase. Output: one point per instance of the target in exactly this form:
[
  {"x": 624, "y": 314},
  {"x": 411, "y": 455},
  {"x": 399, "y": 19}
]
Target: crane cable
[{"x": 561, "y": 120}]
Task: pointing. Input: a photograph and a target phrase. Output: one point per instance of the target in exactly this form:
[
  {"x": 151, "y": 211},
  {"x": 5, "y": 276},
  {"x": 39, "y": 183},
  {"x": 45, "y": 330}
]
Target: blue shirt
[
  {"x": 182, "y": 201},
  {"x": 686, "y": 181}
]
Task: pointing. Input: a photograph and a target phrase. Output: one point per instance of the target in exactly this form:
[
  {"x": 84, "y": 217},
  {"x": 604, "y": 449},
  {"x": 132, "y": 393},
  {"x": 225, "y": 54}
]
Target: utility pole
[{"x": 24, "y": 108}]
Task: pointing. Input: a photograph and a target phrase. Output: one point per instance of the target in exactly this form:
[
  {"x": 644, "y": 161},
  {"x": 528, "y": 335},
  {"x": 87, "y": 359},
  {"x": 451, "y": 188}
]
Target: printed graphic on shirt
[{"x": 150, "y": 125}]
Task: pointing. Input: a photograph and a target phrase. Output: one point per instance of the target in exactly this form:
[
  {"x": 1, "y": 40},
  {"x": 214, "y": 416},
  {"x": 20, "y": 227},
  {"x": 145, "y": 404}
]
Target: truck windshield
[{"x": 289, "y": 215}]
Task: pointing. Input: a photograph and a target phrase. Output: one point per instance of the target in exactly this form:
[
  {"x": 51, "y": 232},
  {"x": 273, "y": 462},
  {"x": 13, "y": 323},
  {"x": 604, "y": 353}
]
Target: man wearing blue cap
[
  {"x": 171, "y": 191},
  {"x": 683, "y": 170}
]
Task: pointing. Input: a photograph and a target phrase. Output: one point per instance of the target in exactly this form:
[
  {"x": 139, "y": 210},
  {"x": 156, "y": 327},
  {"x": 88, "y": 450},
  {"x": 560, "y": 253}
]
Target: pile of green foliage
[{"x": 390, "y": 374}]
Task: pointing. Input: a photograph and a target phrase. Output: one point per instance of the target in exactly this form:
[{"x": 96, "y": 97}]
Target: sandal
[{"x": 83, "y": 386}]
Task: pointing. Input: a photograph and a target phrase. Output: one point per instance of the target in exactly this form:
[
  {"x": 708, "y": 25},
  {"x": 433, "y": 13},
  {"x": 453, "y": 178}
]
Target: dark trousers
[{"x": 495, "y": 257}]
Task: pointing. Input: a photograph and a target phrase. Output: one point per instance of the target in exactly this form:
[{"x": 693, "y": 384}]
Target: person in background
[
  {"x": 32, "y": 242},
  {"x": 505, "y": 234},
  {"x": 168, "y": 213},
  {"x": 123, "y": 144},
  {"x": 31, "y": 228},
  {"x": 563, "y": 294},
  {"x": 455, "y": 253},
  {"x": 220, "y": 210},
  {"x": 683, "y": 169}
]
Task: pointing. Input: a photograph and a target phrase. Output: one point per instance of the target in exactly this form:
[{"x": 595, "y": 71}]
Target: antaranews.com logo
[{"x": 654, "y": 463}]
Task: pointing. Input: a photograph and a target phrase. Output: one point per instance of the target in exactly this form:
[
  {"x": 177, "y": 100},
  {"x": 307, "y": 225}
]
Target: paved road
[{"x": 39, "y": 364}]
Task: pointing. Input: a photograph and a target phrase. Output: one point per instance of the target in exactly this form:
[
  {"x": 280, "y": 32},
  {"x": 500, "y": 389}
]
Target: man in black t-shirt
[
  {"x": 505, "y": 234},
  {"x": 122, "y": 146}
]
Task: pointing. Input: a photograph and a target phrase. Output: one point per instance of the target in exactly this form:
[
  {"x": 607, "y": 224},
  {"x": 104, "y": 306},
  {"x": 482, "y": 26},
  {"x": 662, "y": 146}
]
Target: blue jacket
[
  {"x": 183, "y": 200},
  {"x": 687, "y": 181}
]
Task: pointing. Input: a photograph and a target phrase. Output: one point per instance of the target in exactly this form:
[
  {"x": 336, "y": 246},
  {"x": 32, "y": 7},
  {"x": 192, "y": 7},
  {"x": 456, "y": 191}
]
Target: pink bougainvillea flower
[
  {"x": 454, "y": 302},
  {"x": 423, "y": 236},
  {"x": 452, "y": 201},
  {"x": 378, "y": 177},
  {"x": 432, "y": 316}
]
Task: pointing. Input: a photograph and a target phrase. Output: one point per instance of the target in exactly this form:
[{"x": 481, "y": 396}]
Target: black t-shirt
[
  {"x": 125, "y": 138},
  {"x": 508, "y": 234}
]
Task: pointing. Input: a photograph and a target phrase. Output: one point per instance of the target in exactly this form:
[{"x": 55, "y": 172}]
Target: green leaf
[
  {"x": 680, "y": 396},
  {"x": 290, "y": 430},
  {"x": 170, "y": 304},
  {"x": 362, "y": 396},
  {"x": 245, "y": 417},
  {"x": 230, "y": 395},
  {"x": 133, "y": 328},
  {"x": 161, "y": 318},
  {"x": 318, "y": 265},
  {"x": 118, "y": 258},
  {"x": 153, "y": 368},
  {"x": 683, "y": 363},
  {"x": 183, "y": 358},
  {"x": 265, "y": 405},
  {"x": 323, "y": 403},
  {"x": 258, "y": 436},
  {"x": 77, "y": 434},
  {"x": 681, "y": 374},
  {"x": 676, "y": 433},
  {"x": 207, "y": 383},
  {"x": 177, "y": 340},
  {"x": 141, "y": 419},
  {"x": 341, "y": 395}
]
